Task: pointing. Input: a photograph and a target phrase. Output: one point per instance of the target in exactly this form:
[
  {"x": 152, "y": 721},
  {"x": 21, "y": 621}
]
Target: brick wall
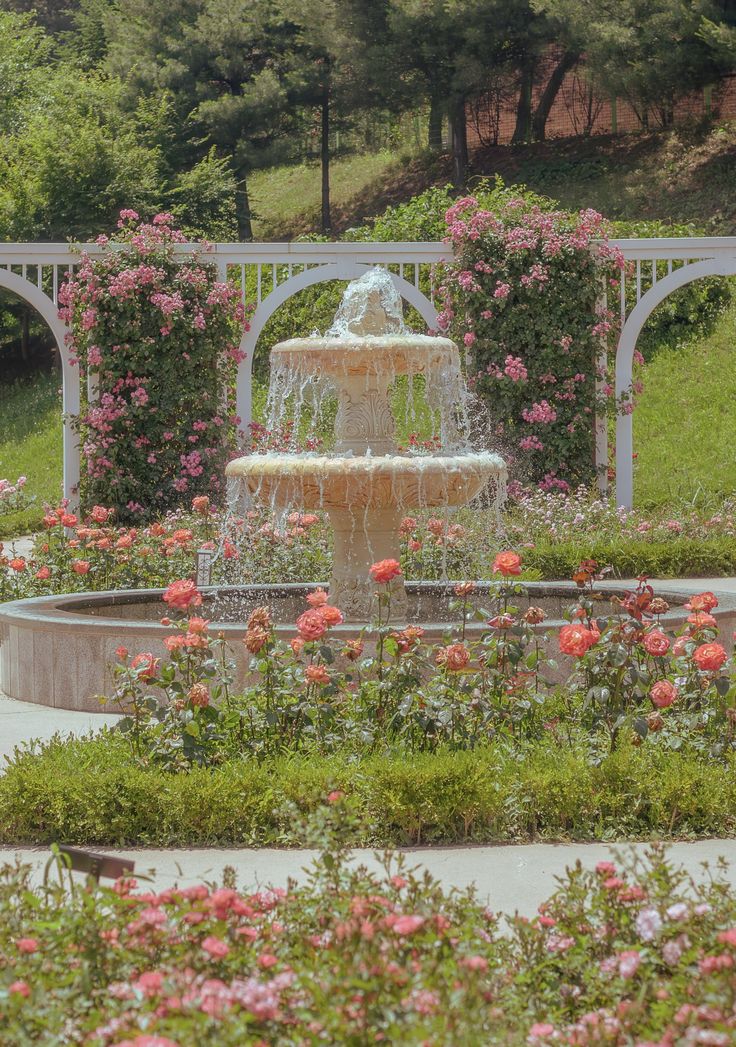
[{"x": 578, "y": 110}]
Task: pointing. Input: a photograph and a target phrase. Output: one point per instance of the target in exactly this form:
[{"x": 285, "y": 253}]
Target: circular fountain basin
[
  {"x": 370, "y": 482},
  {"x": 59, "y": 650},
  {"x": 382, "y": 355}
]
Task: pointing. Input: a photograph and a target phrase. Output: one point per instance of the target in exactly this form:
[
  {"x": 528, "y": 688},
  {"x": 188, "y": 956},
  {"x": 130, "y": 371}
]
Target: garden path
[{"x": 509, "y": 878}]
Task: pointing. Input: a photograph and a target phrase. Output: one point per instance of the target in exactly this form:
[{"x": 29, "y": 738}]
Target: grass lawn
[
  {"x": 278, "y": 194},
  {"x": 685, "y": 423},
  {"x": 31, "y": 445}
]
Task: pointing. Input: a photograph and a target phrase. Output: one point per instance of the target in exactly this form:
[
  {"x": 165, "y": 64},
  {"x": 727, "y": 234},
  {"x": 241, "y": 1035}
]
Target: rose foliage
[{"x": 156, "y": 337}]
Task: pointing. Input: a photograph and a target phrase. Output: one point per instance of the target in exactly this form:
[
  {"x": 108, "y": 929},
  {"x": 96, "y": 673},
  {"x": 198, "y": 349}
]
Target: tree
[
  {"x": 650, "y": 52},
  {"x": 342, "y": 54},
  {"x": 229, "y": 67}
]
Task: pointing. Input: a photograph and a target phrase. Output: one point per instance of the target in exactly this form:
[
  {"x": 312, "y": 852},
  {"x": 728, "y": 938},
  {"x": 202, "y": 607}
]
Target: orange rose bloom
[
  {"x": 507, "y": 564},
  {"x": 80, "y": 566},
  {"x": 317, "y": 674},
  {"x": 709, "y": 657},
  {"x": 453, "y": 658},
  {"x": 576, "y": 639},
  {"x": 663, "y": 694},
  {"x": 331, "y": 615},
  {"x": 201, "y": 504},
  {"x": 385, "y": 571},
  {"x": 702, "y": 620},
  {"x": 311, "y": 625}
]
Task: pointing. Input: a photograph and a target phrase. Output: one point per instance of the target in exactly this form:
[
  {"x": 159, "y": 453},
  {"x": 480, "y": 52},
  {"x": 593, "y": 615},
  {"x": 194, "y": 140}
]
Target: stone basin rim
[{"x": 67, "y": 610}]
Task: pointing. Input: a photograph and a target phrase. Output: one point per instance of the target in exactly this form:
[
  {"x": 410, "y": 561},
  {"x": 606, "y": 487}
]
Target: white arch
[
  {"x": 625, "y": 359},
  {"x": 320, "y": 274},
  {"x": 69, "y": 375}
]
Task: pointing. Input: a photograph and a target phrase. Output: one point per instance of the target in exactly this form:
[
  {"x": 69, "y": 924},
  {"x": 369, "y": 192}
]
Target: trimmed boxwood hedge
[{"x": 91, "y": 791}]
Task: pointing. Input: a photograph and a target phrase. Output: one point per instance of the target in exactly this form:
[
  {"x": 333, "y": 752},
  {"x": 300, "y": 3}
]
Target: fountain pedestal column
[
  {"x": 361, "y": 538},
  {"x": 364, "y": 422}
]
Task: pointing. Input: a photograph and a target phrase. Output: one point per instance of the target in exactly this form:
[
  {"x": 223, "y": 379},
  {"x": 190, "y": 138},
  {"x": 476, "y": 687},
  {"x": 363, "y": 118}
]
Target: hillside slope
[{"x": 680, "y": 175}]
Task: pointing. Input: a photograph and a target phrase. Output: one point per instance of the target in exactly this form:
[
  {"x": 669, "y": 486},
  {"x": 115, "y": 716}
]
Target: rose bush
[
  {"x": 623, "y": 953},
  {"x": 523, "y": 295},
  {"x": 157, "y": 337}
]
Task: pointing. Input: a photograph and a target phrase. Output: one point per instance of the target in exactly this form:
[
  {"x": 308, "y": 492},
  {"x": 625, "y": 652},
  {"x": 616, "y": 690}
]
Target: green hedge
[
  {"x": 89, "y": 791},
  {"x": 675, "y": 558}
]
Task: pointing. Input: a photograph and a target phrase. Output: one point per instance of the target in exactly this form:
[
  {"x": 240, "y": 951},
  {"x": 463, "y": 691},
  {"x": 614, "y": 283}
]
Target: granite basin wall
[{"x": 58, "y": 650}]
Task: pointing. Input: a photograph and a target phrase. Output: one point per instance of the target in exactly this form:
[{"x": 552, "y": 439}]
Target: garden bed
[{"x": 630, "y": 952}]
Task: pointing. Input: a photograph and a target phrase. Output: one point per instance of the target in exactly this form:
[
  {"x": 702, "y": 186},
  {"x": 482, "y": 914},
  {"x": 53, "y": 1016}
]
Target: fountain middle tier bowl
[
  {"x": 384, "y": 355},
  {"x": 366, "y": 482}
]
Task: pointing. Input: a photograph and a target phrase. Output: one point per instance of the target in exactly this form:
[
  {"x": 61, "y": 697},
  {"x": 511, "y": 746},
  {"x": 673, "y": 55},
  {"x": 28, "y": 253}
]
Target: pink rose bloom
[
  {"x": 407, "y": 924},
  {"x": 215, "y": 947},
  {"x": 26, "y": 945},
  {"x": 656, "y": 643},
  {"x": 663, "y": 693},
  {"x": 628, "y": 963}
]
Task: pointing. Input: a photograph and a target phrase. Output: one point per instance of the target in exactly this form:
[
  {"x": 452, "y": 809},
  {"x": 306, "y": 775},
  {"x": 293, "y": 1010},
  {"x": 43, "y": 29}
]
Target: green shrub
[
  {"x": 91, "y": 791},
  {"x": 676, "y": 558}
]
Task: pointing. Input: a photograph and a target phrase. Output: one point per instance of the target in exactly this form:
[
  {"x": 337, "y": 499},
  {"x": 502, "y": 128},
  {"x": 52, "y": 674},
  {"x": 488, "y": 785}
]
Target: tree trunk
[
  {"x": 242, "y": 211},
  {"x": 24, "y": 334},
  {"x": 523, "y": 129},
  {"x": 544, "y": 106},
  {"x": 459, "y": 133},
  {"x": 436, "y": 112},
  {"x": 325, "y": 152}
]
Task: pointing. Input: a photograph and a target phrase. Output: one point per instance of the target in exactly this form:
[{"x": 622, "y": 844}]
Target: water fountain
[
  {"x": 57, "y": 650},
  {"x": 366, "y": 485}
]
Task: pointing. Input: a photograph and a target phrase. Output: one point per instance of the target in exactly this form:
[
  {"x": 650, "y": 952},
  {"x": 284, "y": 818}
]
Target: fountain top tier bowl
[{"x": 386, "y": 355}]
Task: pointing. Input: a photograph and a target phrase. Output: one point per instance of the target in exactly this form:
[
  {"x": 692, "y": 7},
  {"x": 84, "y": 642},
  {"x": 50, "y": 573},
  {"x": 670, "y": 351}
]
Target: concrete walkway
[
  {"x": 22, "y": 721},
  {"x": 508, "y": 878}
]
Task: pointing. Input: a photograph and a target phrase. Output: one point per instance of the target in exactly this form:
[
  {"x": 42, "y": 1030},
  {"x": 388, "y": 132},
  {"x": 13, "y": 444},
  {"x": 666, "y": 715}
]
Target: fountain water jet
[{"x": 366, "y": 485}]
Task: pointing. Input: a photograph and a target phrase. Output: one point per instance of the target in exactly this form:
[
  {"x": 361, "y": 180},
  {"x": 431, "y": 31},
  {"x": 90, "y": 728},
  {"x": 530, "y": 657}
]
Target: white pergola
[{"x": 269, "y": 274}]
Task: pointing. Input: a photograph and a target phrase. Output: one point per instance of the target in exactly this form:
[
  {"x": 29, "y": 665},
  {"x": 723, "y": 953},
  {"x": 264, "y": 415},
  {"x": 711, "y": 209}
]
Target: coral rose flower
[
  {"x": 146, "y": 665},
  {"x": 201, "y": 504},
  {"x": 255, "y": 639},
  {"x": 20, "y": 987},
  {"x": 311, "y": 625},
  {"x": 656, "y": 643},
  {"x": 353, "y": 649},
  {"x": 576, "y": 639},
  {"x": 507, "y": 563},
  {"x": 43, "y": 573},
  {"x": 331, "y": 615},
  {"x": 701, "y": 620},
  {"x": 183, "y": 594},
  {"x": 318, "y": 598},
  {"x": 463, "y": 589},
  {"x": 297, "y": 645},
  {"x": 17, "y": 564},
  {"x": 317, "y": 674},
  {"x": 709, "y": 657},
  {"x": 453, "y": 658},
  {"x": 701, "y": 602},
  {"x": 385, "y": 571},
  {"x": 100, "y": 514},
  {"x": 663, "y": 694},
  {"x": 80, "y": 566},
  {"x": 199, "y": 696}
]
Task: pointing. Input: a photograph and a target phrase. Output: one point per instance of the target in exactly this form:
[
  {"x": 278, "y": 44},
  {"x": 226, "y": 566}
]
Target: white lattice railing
[{"x": 268, "y": 274}]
